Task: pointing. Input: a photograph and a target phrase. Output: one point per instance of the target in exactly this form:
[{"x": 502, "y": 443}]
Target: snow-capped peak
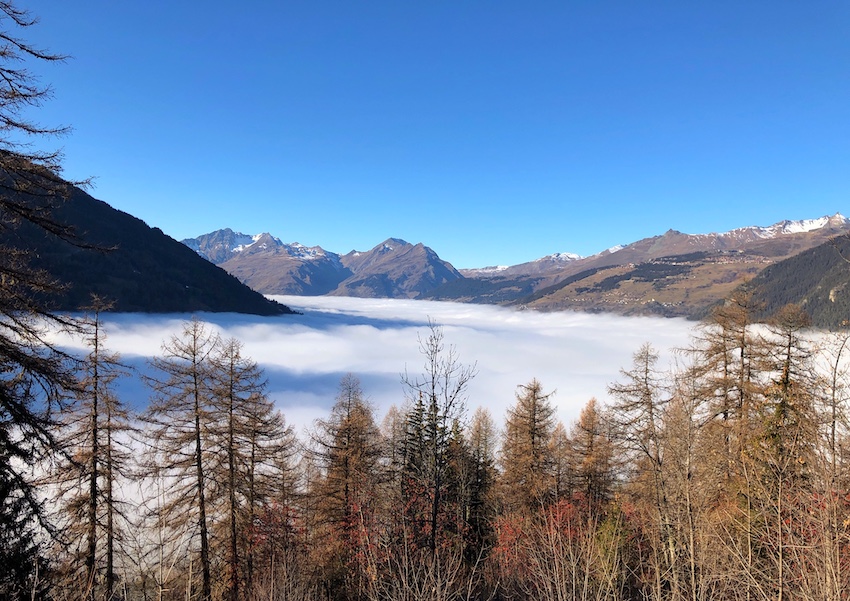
[
  {"x": 562, "y": 257},
  {"x": 490, "y": 269},
  {"x": 263, "y": 241},
  {"x": 391, "y": 244},
  {"x": 240, "y": 241},
  {"x": 306, "y": 253},
  {"x": 792, "y": 227}
]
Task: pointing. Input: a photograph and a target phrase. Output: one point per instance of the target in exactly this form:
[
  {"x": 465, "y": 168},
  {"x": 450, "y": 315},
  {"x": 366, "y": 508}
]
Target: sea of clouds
[{"x": 304, "y": 356}]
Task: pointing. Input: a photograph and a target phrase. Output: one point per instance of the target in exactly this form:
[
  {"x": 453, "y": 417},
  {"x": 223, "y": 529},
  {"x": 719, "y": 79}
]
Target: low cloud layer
[{"x": 304, "y": 356}]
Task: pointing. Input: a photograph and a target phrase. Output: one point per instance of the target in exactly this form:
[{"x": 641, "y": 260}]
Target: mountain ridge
[
  {"x": 394, "y": 268},
  {"x": 124, "y": 261},
  {"x": 672, "y": 274}
]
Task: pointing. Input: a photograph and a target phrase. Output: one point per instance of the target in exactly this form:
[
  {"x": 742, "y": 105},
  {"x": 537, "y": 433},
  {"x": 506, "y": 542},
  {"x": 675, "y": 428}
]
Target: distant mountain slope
[
  {"x": 671, "y": 274},
  {"x": 392, "y": 269},
  {"x": 780, "y": 239},
  {"x": 286, "y": 268},
  {"x": 818, "y": 279},
  {"x": 145, "y": 271},
  {"x": 548, "y": 264},
  {"x": 683, "y": 285}
]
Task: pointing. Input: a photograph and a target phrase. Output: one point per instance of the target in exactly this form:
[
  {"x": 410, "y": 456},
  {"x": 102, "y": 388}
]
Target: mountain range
[
  {"x": 139, "y": 268},
  {"x": 392, "y": 269},
  {"x": 672, "y": 274}
]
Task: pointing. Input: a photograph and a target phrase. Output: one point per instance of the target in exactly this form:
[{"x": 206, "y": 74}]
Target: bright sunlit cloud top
[{"x": 304, "y": 356}]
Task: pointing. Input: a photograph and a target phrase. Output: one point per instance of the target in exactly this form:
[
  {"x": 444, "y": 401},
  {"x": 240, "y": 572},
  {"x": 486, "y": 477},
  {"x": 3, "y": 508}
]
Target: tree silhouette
[{"x": 34, "y": 375}]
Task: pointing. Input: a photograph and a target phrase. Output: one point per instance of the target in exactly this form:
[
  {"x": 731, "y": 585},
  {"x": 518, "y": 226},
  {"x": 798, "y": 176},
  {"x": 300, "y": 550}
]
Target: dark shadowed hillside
[
  {"x": 143, "y": 270},
  {"x": 817, "y": 279}
]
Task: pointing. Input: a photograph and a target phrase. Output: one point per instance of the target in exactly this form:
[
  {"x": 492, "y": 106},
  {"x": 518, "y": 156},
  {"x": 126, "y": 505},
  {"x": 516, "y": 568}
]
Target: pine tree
[
  {"x": 526, "y": 459},
  {"x": 782, "y": 454},
  {"x": 638, "y": 412},
  {"x": 592, "y": 456},
  {"x": 270, "y": 486},
  {"x": 236, "y": 389},
  {"x": 482, "y": 495},
  {"x": 439, "y": 395},
  {"x": 727, "y": 369},
  {"x": 349, "y": 450},
  {"x": 395, "y": 491},
  {"x": 459, "y": 484},
  {"x": 728, "y": 354},
  {"x": 788, "y": 410}
]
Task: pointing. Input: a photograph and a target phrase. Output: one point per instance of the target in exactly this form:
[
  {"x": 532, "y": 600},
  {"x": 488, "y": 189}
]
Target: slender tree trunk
[
  {"x": 437, "y": 479},
  {"x": 91, "y": 555},
  {"x": 249, "y": 552},
  {"x": 110, "y": 511},
  {"x": 231, "y": 473},
  {"x": 689, "y": 507},
  {"x": 206, "y": 578},
  {"x": 780, "y": 595}
]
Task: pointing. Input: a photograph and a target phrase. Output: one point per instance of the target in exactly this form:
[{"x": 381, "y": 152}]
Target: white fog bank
[{"x": 304, "y": 356}]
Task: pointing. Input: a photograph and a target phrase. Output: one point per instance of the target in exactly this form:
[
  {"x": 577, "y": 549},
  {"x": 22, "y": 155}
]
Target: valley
[{"x": 670, "y": 275}]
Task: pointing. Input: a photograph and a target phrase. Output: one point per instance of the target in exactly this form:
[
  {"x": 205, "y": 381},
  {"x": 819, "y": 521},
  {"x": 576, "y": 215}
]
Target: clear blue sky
[{"x": 494, "y": 132}]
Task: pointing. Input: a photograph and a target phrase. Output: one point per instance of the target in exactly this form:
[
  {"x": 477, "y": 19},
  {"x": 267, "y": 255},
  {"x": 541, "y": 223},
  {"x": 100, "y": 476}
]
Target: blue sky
[{"x": 494, "y": 132}]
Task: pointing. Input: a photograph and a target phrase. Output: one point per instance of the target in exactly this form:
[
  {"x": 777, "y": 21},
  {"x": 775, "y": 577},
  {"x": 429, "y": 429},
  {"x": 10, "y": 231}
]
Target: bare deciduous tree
[
  {"x": 179, "y": 416},
  {"x": 33, "y": 373},
  {"x": 95, "y": 433}
]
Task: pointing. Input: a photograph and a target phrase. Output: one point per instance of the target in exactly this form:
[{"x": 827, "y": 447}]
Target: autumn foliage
[{"x": 724, "y": 478}]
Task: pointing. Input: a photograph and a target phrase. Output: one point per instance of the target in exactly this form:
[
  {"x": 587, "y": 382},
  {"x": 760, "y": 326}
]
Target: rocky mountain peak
[
  {"x": 393, "y": 268},
  {"x": 391, "y": 244},
  {"x": 663, "y": 264},
  {"x": 218, "y": 246}
]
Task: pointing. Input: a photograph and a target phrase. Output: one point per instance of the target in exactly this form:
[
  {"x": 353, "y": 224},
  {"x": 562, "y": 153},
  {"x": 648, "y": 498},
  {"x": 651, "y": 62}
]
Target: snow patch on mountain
[
  {"x": 242, "y": 241},
  {"x": 561, "y": 257},
  {"x": 787, "y": 227},
  {"x": 309, "y": 253},
  {"x": 489, "y": 269},
  {"x": 263, "y": 241}
]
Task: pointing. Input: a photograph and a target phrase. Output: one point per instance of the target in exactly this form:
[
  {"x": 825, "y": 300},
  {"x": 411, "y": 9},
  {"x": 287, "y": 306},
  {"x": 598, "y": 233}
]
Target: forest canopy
[{"x": 724, "y": 477}]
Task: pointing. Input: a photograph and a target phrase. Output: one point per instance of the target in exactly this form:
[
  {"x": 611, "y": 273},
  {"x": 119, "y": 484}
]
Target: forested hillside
[
  {"x": 724, "y": 479},
  {"x": 817, "y": 279}
]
